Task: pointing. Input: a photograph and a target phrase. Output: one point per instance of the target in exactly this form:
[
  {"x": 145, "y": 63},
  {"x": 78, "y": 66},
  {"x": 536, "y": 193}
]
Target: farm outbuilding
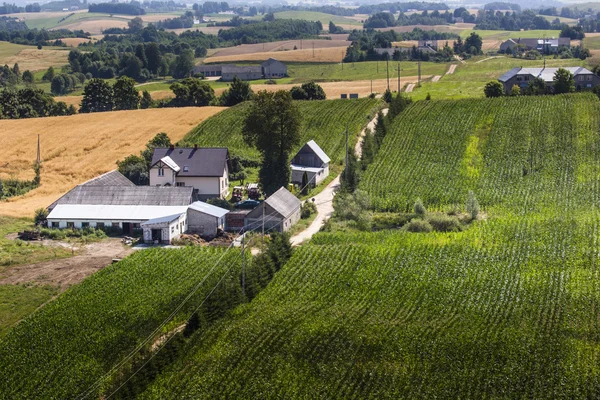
[
  {"x": 273, "y": 68},
  {"x": 164, "y": 229},
  {"x": 205, "y": 219},
  {"x": 280, "y": 212},
  {"x": 312, "y": 161}
]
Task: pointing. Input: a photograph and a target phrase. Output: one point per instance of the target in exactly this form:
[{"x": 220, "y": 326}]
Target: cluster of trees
[
  {"x": 10, "y": 24},
  {"x": 563, "y": 82},
  {"x": 280, "y": 29},
  {"x": 308, "y": 91},
  {"x": 212, "y": 7},
  {"x": 132, "y": 8},
  {"x": 136, "y": 168},
  {"x": 20, "y": 34},
  {"x": 14, "y": 187},
  {"x": 386, "y": 19},
  {"x": 471, "y": 45},
  {"x": 513, "y": 21},
  {"x": 333, "y": 28},
  {"x": 31, "y": 103},
  {"x": 59, "y": 5},
  {"x": 9, "y": 76},
  {"x": 99, "y": 96},
  {"x": 62, "y": 84},
  {"x": 580, "y": 52},
  {"x": 7, "y": 8},
  {"x": 184, "y": 21},
  {"x": 498, "y": 5},
  {"x": 400, "y": 7}
]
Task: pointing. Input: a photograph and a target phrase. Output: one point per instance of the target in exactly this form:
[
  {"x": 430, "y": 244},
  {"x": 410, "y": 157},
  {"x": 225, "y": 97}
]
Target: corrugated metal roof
[
  {"x": 270, "y": 61},
  {"x": 113, "y": 212},
  {"x": 547, "y": 74},
  {"x": 284, "y": 202},
  {"x": 203, "y": 161},
  {"x": 111, "y": 178},
  {"x": 234, "y": 69},
  {"x": 209, "y": 209},
  {"x": 124, "y": 195},
  {"x": 509, "y": 74},
  {"x": 161, "y": 220},
  {"x": 170, "y": 163},
  {"x": 318, "y": 151}
]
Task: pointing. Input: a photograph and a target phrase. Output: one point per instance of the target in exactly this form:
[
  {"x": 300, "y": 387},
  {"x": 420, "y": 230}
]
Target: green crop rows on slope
[
  {"x": 61, "y": 350},
  {"x": 322, "y": 121},
  {"x": 506, "y": 309}
]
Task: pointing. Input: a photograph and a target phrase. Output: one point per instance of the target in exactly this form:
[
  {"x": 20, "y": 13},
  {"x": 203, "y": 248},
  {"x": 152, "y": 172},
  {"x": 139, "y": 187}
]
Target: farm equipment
[
  {"x": 253, "y": 191},
  {"x": 238, "y": 193},
  {"x": 30, "y": 235}
]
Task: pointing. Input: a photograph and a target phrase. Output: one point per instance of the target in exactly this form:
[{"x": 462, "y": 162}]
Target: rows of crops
[
  {"x": 322, "y": 121},
  {"x": 516, "y": 153},
  {"x": 505, "y": 309},
  {"x": 64, "y": 348}
]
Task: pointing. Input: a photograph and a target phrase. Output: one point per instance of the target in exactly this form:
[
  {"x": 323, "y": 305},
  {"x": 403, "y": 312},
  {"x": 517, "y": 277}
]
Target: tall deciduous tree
[
  {"x": 125, "y": 95},
  {"x": 272, "y": 126},
  {"x": 192, "y": 92},
  {"x": 97, "y": 96},
  {"x": 564, "y": 82},
  {"x": 184, "y": 63},
  {"x": 238, "y": 92},
  {"x": 493, "y": 89},
  {"x": 154, "y": 57}
]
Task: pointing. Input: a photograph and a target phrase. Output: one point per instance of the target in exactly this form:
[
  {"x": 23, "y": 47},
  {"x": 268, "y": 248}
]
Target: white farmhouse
[
  {"x": 312, "y": 161},
  {"x": 206, "y": 170}
]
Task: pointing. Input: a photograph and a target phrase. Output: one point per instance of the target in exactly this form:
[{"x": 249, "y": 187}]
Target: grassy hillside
[
  {"x": 505, "y": 309},
  {"x": 62, "y": 350},
  {"x": 322, "y": 121}
]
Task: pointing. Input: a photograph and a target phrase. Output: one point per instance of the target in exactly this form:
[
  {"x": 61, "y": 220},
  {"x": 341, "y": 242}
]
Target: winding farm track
[
  {"x": 451, "y": 69},
  {"x": 324, "y": 200},
  {"x": 410, "y": 88},
  {"x": 436, "y": 78}
]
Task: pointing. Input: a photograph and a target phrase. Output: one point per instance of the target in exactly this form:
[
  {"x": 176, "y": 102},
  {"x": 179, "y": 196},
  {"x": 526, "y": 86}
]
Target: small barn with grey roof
[
  {"x": 245, "y": 73},
  {"x": 280, "y": 212},
  {"x": 584, "y": 78},
  {"x": 310, "y": 163}
]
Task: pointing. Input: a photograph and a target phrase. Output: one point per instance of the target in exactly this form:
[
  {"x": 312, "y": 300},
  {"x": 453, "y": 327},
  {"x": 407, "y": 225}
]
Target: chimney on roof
[
  {"x": 172, "y": 147},
  {"x": 195, "y": 146}
]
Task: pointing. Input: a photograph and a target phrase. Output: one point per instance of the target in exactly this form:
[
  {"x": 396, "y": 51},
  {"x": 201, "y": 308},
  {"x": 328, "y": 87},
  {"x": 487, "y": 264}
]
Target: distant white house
[
  {"x": 311, "y": 161},
  {"x": 206, "y": 170}
]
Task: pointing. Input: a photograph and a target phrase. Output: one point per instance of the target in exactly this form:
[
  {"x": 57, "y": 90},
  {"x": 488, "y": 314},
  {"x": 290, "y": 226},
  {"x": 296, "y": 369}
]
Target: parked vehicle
[
  {"x": 238, "y": 193},
  {"x": 253, "y": 191},
  {"x": 247, "y": 204}
]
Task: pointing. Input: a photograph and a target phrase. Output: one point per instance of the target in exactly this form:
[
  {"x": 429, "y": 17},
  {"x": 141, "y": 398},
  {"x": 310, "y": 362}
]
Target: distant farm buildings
[
  {"x": 269, "y": 69},
  {"x": 544, "y": 46},
  {"x": 584, "y": 78}
]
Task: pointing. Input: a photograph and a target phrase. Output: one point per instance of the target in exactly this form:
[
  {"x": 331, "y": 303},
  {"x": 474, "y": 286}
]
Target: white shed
[
  {"x": 164, "y": 229},
  {"x": 206, "y": 219}
]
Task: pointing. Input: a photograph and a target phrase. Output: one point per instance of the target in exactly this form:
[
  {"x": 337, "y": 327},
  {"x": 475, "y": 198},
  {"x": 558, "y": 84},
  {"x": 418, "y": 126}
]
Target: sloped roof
[
  {"x": 318, "y": 151},
  {"x": 307, "y": 169},
  {"x": 111, "y": 178},
  {"x": 284, "y": 202},
  {"x": 130, "y": 196},
  {"x": 547, "y": 74},
  {"x": 113, "y": 212},
  {"x": 170, "y": 163},
  {"x": 205, "y": 162},
  {"x": 271, "y": 61},
  {"x": 234, "y": 69},
  {"x": 160, "y": 220},
  {"x": 209, "y": 209},
  {"x": 509, "y": 74}
]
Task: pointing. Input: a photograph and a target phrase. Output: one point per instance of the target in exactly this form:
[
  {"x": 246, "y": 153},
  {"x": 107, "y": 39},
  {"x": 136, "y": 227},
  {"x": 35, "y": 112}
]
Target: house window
[
  {"x": 54, "y": 224},
  {"x": 136, "y": 225},
  {"x": 161, "y": 171},
  {"x": 172, "y": 229},
  {"x": 85, "y": 224},
  {"x": 70, "y": 224},
  {"x": 180, "y": 184},
  {"x": 589, "y": 77},
  {"x": 99, "y": 225},
  {"x": 581, "y": 78},
  {"x": 115, "y": 224},
  {"x": 186, "y": 168},
  {"x": 519, "y": 78}
]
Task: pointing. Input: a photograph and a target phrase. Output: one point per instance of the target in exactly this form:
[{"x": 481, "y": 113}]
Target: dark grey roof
[
  {"x": 111, "y": 178},
  {"x": 271, "y": 61},
  {"x": 206, "y": 162},
  {"x": 127, "y": 196},
  {"x": 234, "y": 69},
  {"x": 508, "y": 75},
  {"x": 284, "y": 202}
]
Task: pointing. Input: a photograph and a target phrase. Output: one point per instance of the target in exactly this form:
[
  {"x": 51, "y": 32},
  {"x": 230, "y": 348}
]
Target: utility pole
[
  {"x": 387, "y": 71},
  {"x": 398, "y": 77},
  {"x": 342, "y": 60},
  {"x": 346, "y": 169},
  {"x": 263, "y": 222},
  {"x": 243, "y": 266}
]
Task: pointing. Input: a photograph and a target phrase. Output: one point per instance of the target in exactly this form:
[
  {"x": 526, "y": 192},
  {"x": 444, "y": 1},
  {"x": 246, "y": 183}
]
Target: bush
[
  {"x": 419, "y": 208},
  {"x": 418, "y": 225},
  {"x": 308, "y": 209},
  {"x": 41, "y": 214},
  {"x": 219, "y": 203},
  {"x": 444, "y": 223}
]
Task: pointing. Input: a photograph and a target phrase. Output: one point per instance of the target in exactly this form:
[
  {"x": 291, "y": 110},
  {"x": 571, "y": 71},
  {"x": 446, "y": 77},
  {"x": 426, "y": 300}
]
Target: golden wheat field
[
  {"x": 282, "y": 45},
  {"x": 79, "y": 147},
  {"x": 30, "y": 58},
  {"x": 330, "y": 54},
  {"x": 74, "y": 42}
]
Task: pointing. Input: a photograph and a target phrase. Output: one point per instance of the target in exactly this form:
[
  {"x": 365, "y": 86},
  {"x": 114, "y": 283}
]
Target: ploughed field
[{"x": 507, "y": 308}]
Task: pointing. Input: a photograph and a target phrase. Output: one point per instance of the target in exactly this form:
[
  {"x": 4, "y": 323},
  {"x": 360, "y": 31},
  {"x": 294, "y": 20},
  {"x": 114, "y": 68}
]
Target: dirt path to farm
[
  {"x": 410, "y": 88},
  {"x": 436, "y": 78},
  {"x": 451, "y": 69},
  {"x": 324, "y": 200},
  {"x": 485, "y": 59},
  {"x": 68, "y": 271}
]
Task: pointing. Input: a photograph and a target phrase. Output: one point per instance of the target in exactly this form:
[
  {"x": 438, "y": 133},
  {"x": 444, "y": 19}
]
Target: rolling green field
[
  {"x": 19, "y": 301},
  {"x": 61, "y": 350},
  {"x": 469, "y": 79},
  {"x": 322, "y": 121},
  {"x": 592, "y": 43},
  {"x": 318, "y": 16},
  {"x": 505, "y": 309},
  {"x": 503, "y": 35}
]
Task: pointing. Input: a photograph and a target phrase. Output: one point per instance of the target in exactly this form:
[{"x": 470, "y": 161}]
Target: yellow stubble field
[{"x": 79, "y": 147}]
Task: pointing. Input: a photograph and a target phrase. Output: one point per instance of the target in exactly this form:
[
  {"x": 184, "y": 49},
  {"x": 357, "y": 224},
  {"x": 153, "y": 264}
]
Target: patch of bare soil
[{"x": 69, "y": 271}]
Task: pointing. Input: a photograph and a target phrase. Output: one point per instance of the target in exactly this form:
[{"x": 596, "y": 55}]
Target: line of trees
[
  {"x": 30, "y": 103},
  {"x": 386, "y": 19},
  {"x": 99, "y": 96},
  {"x": 7, "y": 8},
  {"x": 117, "y": 8}
]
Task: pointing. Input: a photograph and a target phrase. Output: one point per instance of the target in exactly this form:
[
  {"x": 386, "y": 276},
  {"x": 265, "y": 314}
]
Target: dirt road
[
  {"x": 451, "y": 69},
  {"x": 68, "y": 271},
  {"x": 436, "y": 78}
]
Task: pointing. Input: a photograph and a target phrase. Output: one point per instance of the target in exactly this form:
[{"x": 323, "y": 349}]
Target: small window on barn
[
  {"x": 55, "y": 224},
  {"x": 100, "y": 225},
  {"x": 161, "y": 171},
  {"x": 115, "y": 224},
  {"x": 186, "y": 168},
  {"x": 85, "y": 224},
  {"x": 70, "y": 224}
]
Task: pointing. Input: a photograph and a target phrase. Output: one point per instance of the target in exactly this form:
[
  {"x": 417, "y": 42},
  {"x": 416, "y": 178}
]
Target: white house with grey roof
[
  {"x": 311, "y": 161},
  {"x": 280, "y": 212},
  {"x": 584, "y": 78},
  {"x": 206, "y": 170}
]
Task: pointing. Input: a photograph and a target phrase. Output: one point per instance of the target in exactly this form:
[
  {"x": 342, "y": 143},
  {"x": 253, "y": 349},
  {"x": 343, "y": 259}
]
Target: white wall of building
[{"x": 156, "y": 180}]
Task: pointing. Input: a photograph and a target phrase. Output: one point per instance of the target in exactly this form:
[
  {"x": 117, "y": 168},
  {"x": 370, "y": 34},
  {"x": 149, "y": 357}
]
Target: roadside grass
[
  {"x": 17, "y": 252},
  {"x": 19, "y": 301},
  {"x": 469, "y": 79}
]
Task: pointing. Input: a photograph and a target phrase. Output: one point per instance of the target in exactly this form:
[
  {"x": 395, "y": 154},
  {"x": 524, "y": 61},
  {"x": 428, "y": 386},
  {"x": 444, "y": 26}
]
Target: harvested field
[
  {"x": 331, "y": 54},
  {"x": 456, "y": 28},
  {"x": 74, "y": 42},
  {"x": 30, "y": 58},
  {"x": 79, "y": 147},
  {"x": 336, "y": 36},
  {"x": 491, "y": 44},
  {"x": 96, "y": 26},
  {"x": 280, "y": 46},
  {"x": 209, "y": 30},
  {"x": 405, "y": 43}
]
